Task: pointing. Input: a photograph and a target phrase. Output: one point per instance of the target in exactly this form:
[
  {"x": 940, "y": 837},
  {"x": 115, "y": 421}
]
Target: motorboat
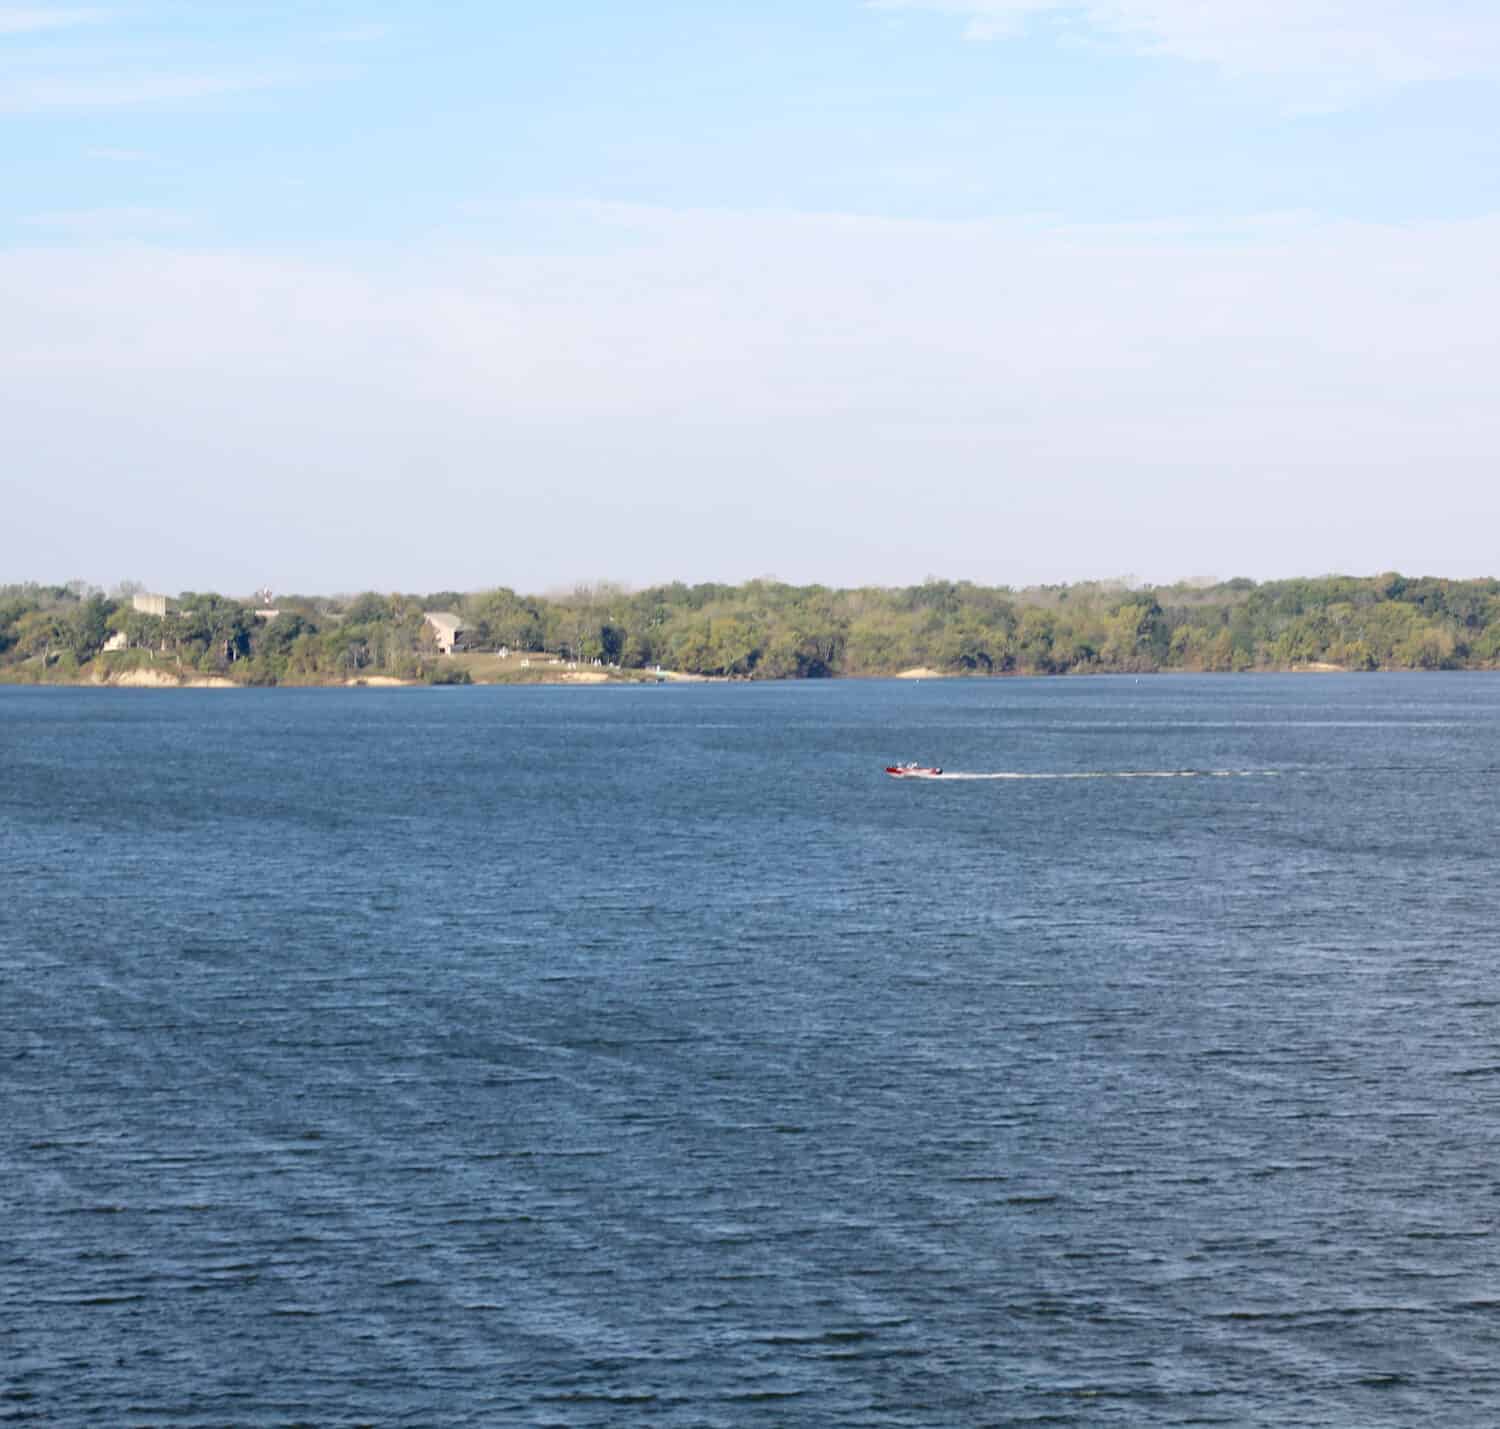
[{"x": 912, "y": 771}]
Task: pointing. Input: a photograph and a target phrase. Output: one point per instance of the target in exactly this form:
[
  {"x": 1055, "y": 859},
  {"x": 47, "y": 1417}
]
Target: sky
[{"x": 348, "y": 294}]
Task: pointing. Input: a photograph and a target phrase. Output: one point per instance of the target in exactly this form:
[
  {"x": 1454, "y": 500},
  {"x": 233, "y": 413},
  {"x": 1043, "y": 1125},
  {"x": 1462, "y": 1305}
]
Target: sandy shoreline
[{"x": 164, "y": 680}]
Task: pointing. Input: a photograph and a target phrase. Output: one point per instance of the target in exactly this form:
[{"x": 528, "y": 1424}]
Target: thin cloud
[
  {"x": 32, "y": 20},
  {"x": 1180, "y": 384},
  {"x": 182, "y": 65},
  {"x": 130, "y": 91},
  {"x": 1351, "y": 47},
  {"x": 986, "y": 19},
  {"x": 119, "y": 156},
  {"x": 95, "y": 223},
  {"x": 371, "y": 32}
]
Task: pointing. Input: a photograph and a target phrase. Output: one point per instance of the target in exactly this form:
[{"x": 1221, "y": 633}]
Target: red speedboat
[{"x": 912, "y": 771}]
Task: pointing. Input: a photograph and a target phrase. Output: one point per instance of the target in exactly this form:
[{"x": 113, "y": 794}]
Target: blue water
[{"x": 596, "y": 1057}]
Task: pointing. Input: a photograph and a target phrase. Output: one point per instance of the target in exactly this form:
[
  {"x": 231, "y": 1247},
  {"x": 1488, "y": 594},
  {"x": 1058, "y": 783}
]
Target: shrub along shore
[{"x": 758, "y": 630}]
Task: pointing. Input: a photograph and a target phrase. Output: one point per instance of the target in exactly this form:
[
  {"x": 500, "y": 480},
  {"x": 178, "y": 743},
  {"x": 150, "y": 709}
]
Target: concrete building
[
  {"x": 149, "y": 604},
  {"x": 118, "y": 641},
  {"x": 447, "y": 629}
]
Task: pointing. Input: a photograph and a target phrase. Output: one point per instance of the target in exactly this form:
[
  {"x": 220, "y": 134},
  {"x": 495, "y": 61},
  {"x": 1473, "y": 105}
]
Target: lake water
[{"x": 591, "y": 1057}]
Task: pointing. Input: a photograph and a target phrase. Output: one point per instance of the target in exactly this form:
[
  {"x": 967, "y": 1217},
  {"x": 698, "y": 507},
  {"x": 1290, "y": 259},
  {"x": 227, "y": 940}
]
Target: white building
[{"x": 447, "y": 629}]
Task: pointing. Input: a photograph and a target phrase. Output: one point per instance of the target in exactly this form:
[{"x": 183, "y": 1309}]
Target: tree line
[{"x": 766, "y": 629}]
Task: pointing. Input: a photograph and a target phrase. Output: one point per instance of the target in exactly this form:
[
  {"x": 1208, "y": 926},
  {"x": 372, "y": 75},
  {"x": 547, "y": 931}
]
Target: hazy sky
[{"x": 369, "y": 293}]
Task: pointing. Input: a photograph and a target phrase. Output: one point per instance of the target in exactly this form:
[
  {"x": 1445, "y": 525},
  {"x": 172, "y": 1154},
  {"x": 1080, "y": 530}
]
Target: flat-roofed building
[{"x": 149, "y": 604}]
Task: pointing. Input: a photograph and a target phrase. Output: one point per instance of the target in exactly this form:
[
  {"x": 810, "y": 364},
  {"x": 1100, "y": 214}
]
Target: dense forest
[{"x": 765, "y": 630}]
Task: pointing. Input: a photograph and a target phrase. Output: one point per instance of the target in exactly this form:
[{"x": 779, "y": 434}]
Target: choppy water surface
[{"x": 594, "y": 1057}]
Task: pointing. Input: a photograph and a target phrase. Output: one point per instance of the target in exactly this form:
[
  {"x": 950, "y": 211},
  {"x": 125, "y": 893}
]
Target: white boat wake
[{"x": 952, "y": 774}]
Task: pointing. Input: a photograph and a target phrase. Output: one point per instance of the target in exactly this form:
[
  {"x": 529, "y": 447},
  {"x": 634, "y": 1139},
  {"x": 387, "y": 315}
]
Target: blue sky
[{"x": 339, "y": 294}]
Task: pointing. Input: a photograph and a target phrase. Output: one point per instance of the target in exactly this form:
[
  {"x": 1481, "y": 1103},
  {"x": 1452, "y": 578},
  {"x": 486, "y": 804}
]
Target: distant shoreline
[
  {"x": 594, "y": 680},
  {"x": 605, "y": 634}
]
